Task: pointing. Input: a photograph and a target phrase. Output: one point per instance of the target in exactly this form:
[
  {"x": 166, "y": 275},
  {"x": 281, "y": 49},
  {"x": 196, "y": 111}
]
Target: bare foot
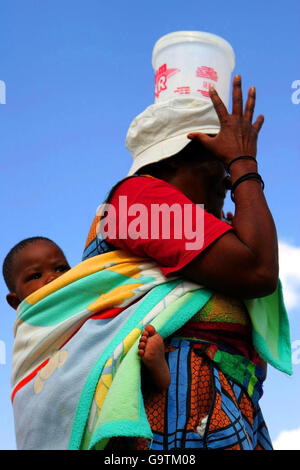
[{"x": 152, "y": 353}]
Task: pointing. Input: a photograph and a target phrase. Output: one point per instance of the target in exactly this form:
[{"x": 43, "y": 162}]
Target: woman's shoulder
[
  {"x": 141, "y": 187},
  {"x": 141, "y": 181}
]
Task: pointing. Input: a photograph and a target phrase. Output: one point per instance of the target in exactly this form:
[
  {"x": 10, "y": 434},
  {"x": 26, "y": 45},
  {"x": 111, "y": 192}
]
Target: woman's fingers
[
  {"x": 204, "y": 139},
  {"x": 218, "y": 105},
  {"x": 250, "y": 105},
  {"x": 237, "y": 136},
  {"x": 237, "y": 96},
  {"x": 258, "y": 123}
]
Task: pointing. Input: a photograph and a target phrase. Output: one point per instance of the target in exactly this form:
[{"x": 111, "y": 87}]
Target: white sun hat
[
  {"x": 186, "y": 64},
  {"x": 161, "y": 130}
]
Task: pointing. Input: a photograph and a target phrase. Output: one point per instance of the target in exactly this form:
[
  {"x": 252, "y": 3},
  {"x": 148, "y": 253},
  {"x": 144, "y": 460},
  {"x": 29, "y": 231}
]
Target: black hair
[{"x": 7, "y": 268}]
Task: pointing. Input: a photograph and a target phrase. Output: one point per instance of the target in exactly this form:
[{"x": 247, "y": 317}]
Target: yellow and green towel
[{"x": 76, "y": 371}]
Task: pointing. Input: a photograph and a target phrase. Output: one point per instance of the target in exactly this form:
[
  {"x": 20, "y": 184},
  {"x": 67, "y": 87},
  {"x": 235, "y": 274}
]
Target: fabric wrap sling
[
  {"x": 76, "y": 371},
  {"x": 76, "y": 378}
]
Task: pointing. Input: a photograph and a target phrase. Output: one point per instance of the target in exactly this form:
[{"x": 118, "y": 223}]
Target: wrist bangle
[
  {"x": 241, "y": 157},
  {"x": 247, "y": 176}
]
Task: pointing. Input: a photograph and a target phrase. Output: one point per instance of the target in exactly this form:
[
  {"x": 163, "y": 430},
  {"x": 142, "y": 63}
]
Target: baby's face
[{"x": 35, "y": 265}]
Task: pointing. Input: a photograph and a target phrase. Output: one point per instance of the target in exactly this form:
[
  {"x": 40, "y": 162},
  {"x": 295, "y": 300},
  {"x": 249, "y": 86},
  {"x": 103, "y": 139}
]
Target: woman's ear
[{"x": 13, "y": 300}]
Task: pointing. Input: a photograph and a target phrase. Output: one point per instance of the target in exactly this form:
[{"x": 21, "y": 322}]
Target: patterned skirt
[{"x": 202, "y": 409}]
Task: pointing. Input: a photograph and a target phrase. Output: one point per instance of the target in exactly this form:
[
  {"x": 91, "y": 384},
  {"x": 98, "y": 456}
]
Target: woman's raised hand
[{"x": 237, "y": 136}]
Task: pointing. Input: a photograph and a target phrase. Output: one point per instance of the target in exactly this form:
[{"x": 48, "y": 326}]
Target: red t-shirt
[
  {"x": 140, "y": 195},
  {"x": 181, "y": 233}
]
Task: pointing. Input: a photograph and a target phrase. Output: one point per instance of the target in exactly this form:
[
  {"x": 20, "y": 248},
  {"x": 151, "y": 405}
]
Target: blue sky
[{"x": 76, "y": 74}]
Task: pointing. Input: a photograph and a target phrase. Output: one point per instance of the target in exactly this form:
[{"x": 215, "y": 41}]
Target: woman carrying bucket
[{"x": 185, "y": 150}]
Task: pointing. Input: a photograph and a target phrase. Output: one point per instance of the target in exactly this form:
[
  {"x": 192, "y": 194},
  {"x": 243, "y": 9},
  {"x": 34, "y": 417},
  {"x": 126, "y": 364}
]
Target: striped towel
[{"x": 76, "y": 371}]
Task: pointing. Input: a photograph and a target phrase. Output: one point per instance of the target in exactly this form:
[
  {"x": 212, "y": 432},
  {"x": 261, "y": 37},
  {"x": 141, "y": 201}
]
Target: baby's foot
[{"x": 152, "y": 353}]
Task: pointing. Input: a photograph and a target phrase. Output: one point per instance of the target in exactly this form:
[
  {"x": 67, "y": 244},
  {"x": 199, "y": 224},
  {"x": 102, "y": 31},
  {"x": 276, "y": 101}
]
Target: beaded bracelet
[
  {"x": 247, "y": 176},
  {"x": 241, "y": 157}
]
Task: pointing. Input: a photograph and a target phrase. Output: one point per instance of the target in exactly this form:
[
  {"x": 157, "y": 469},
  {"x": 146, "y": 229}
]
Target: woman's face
[
  {"x": 204, "y": 182},
  {"x": 214, "y": 176}
]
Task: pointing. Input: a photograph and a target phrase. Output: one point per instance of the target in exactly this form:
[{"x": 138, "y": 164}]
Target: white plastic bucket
[{"x": 187, "y": 63}]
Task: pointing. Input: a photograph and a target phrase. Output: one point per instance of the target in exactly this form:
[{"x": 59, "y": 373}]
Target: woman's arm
[{"x": 244, "y": 261}]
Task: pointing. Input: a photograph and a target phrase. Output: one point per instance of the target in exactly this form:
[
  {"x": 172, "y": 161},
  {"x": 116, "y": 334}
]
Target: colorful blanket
[{"x": 76, "y": 371}]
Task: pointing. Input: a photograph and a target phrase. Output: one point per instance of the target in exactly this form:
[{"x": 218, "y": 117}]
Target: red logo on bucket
[
  {"x": 206, "y": 85},
  {"x": 204, "y": 93},
  {"x": 161, "y": 76},
  {"x": 207, "y": 72},
  {"x": 183, "y": 90}
]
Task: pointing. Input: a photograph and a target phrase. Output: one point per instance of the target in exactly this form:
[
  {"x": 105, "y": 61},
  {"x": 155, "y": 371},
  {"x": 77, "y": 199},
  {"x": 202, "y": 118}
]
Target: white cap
[{"x": 161, "y": 130}]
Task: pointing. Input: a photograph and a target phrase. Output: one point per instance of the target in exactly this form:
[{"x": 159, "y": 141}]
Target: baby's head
[{"x": 31, "y": 264}]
